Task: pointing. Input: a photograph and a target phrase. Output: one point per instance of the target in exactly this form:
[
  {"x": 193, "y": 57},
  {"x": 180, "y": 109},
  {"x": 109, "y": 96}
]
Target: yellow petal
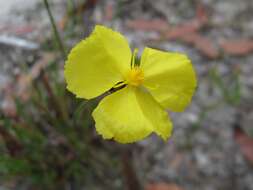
[
  {"x": 169, "y": 77},
  {"x": 129, "y": 115},
  {"x": 97, "y": 63}
]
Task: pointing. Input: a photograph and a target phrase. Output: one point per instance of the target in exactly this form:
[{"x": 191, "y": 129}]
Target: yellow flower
[{"x": 161, "y": 81}]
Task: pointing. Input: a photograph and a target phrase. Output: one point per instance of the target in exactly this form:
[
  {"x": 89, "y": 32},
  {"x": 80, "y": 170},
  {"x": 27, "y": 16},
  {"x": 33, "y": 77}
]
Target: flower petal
[
  {"x": 169, "y": 77},
  {"x": 97, "y": 63},
  {"x": 131, "y": 114}
]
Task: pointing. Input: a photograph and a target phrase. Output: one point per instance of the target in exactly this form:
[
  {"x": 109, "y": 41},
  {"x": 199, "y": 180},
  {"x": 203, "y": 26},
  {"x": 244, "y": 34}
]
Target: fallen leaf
[
  {"x": 245, "y": 143},
  {"x": 163, "y": 186},
  {"x": 23, "y": 30},
  {"x": 182, "y": 29},
  {"x": 237, "y": 47},
  {"x": 17, "y": 30},
  {"x": 190, "y": 26},
  {"x": 22, "y": 87},
  {"x": 158, "y": 25},
  {"x": 24, "y": 81},
  {"x": 41, "y": 64},
  {"x": 202, "y": 43}
]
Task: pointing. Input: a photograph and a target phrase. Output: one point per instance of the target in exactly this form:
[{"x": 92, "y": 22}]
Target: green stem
[
  {"x": 56, "y": 32},
  {"x": 79, "y": 110},
  {"x": 55, "y": 101}
]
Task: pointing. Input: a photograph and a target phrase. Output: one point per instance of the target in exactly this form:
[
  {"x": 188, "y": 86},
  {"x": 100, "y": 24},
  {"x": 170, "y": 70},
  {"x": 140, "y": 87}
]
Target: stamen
[
  {"x": 135, "y": 77},
  {"x": 133, "y": 61}
]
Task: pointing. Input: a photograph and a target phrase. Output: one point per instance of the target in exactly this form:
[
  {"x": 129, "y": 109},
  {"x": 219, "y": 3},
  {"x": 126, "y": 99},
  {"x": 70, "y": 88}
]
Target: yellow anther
[{"x": 135, "y": 77}]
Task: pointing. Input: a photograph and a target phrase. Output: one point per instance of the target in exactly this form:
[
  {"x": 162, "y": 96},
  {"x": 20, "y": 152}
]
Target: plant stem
[
  {"x": 54, "y": 100},
  {"x": 131, "y": 179},
  {"x": 12, "y": 144},
  {"x": 56, "y": 32}
]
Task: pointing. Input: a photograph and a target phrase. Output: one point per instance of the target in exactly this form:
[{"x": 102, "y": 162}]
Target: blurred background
[{"x": 47, "y": 136}]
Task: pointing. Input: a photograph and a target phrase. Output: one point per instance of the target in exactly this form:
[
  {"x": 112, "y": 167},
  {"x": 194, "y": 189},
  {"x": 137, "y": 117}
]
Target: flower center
[{"x": 135, "y": 77}]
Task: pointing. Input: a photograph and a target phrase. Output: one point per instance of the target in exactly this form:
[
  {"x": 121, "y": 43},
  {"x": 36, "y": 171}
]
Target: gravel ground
[{"x": 202, "y": 153}]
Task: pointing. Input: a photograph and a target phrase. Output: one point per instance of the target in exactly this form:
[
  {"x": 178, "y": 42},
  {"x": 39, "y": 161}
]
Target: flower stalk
[
  {"x": 56, "y": 32},
  {"x": 128, "y": 170}
]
